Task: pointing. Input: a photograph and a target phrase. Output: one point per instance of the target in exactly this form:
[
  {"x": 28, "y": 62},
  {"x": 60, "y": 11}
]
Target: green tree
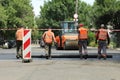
[
  {"x": 16, "y": 12},
  {"x": 3, "y": 16},
  {"x": 85, "y": 13},
  {"x": 107, "y": 11},
  {"x": 54, "y": 11},
  {"x": 104, "y": 11}
]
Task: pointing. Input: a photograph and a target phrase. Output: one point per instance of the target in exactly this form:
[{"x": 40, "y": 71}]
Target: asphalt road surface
[
  {"x": 59, "y": 67},
  {"x": 38, "y": 53}
]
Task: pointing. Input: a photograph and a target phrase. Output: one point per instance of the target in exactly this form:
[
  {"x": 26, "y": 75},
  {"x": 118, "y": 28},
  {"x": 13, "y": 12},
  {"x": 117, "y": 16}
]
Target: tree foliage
[
  {"x": 55, "y": 11},
  {"x": 108, "y": 11},
  {"x": 104, "y": 11},
  {"x": 18, "y": 12},
  {"x": 14, "y": 13},
  {"x": 3, "y": 16}
]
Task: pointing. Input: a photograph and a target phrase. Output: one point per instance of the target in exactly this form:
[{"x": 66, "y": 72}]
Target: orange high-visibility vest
[
  {"x": 102, "y": 34},
  {"x": 83, "y": 33},
  {"x": 19, "y": 34},
  {"x": 48, "y": 38},
  {"x": 62, "y": 41}
]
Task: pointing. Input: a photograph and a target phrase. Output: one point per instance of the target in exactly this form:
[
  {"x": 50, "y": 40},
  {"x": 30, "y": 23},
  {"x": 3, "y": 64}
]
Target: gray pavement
[{"x": 57, "y": 69}]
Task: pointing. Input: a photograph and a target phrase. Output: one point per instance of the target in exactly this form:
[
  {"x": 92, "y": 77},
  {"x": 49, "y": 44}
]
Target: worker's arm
[
  {"x": 108, "y": 39},
  {"x": 16, "y": 35},
  {"x": 78, "y": 34},
  {"x": 43, "y": 36},
  {"x": 96, "y": 37},
  {"x": 54, "y": 37}
]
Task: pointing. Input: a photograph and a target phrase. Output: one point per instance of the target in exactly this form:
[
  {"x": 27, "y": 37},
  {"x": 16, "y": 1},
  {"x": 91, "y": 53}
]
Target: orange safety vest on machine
[
  {"x": 60, "y": 42},
  {"x": 48, "y": 37},
  {"x": 83, "y": 33},
  {"x": 102, "y": 34}
]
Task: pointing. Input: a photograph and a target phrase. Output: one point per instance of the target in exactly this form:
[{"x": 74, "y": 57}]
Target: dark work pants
[
  {"x": 102, "y": 46},
  {"x": 19, "y": 46},
  {"x": 49, "y": 45},
  {"x": 82, "y": 45}
]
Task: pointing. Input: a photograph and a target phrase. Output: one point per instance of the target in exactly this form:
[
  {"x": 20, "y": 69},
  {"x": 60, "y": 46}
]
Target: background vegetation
[{"x": 14, "y": 12}]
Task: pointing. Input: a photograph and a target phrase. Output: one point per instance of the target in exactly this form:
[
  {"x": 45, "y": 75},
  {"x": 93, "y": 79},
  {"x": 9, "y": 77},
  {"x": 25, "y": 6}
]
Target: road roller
[{"x": 68, "y": 37}]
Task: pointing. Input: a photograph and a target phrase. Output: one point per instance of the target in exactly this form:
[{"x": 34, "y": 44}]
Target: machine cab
[{"x": 68, "y": 27}]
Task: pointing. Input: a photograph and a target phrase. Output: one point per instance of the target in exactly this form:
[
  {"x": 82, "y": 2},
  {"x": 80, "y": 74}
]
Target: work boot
[
  {"x": 81, "y": 56},
  {"x": 50, "y": 57},
  {"x": 99, "y": 56},
  {"x": 104, "y": 56},
  {"x": 20, "y": 55},
  {"x": 17, "y": 56},
  {"x": 85, "y": 56},
  {"x": 46, "y": 55}
]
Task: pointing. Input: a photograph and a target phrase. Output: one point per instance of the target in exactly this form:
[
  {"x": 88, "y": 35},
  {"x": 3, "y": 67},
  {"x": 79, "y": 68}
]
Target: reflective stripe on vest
[
  {"x": 48, "y": 37},
  {"x": 83, "y": 33},
  {"x": 102, "y": 34}
]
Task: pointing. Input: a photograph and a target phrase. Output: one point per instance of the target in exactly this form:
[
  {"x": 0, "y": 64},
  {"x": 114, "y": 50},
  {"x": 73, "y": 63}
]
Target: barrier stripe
[
  {"x": 26, "y": 44},
  {"x": 28, "y": 55},
  {"x": 27, "y": 51},
  {"x": 25, "y": 32}
]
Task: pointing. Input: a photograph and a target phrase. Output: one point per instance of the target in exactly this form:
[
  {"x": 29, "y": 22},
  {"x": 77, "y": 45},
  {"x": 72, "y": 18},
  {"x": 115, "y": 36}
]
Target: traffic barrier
[{"x": 27, "y": 46}]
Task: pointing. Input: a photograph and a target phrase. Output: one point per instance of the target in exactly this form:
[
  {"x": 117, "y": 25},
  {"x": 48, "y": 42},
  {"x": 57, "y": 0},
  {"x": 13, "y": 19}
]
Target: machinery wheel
[
  {"x": 65, "y": 46},
  {"x": 59, "y": 48},
  {"x": 56, "y": 46}
]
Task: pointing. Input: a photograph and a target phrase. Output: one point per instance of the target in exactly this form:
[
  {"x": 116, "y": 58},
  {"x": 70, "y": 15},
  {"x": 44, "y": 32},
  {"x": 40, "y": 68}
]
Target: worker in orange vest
[
  {"x": 48, "y": 38},
  {"x": 103, "y": 40},
  {"x": 19, "y": 40},
  {"x": 60, "y": 41},
  {"x": 82, "y": 41}
]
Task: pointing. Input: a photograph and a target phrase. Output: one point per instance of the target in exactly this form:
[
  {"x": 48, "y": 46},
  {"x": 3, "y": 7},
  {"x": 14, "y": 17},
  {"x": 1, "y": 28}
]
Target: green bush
[
  {"x": 93, "y": 44},
  {"x": 91, "y": 38},
  {"x": 112, "y": 45}
]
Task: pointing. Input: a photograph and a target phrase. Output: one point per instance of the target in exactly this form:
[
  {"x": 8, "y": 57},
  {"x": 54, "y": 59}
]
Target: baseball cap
[
  {"x": 81, "y": 25},
  {"x": 102, "y": 25}
]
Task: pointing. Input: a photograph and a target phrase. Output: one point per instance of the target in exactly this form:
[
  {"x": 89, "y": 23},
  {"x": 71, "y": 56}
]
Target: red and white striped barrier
[{"x": 27, "y": 45}]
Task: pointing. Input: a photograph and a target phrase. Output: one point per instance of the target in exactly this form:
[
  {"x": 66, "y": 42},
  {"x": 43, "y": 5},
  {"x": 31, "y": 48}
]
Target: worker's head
[
  {"x": 81, "y": 25},
  {"x": 20, "y": 26},
  {"x": 102, "y": 26},
  {"x": 49, "y": 28}
]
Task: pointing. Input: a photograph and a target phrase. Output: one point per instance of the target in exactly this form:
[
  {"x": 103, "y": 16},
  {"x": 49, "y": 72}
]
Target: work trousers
[
  {"x": 82, "y": 45},
  {"x": 48, "y": 48},
  {"x": 19, "y": 46},
  {"x": 102, "y": 46}
]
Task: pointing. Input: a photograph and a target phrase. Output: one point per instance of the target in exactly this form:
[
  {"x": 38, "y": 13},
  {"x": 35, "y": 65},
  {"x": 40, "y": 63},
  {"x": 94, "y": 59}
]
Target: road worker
[
  {"x": 82, "y": 41},
  {"x": 19, "y": 40},
  {"x": 103, "y": 40},
  {"x": 60, "y": 41},
  {"x": 48, "y": 38}
]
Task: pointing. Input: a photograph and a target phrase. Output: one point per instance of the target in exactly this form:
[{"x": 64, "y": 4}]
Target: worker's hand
[
  {"x": 95, "y": 42},
  {"x": 55, "y": 43},
  {"x": 107, "y": 47},
  {"x": 108, "y": 43}
]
